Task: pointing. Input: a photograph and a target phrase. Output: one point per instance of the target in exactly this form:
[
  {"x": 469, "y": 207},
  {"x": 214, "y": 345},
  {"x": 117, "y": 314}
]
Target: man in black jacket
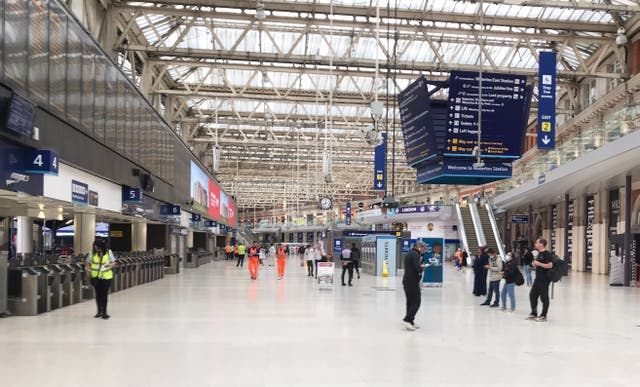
[{"x": 413, "y": 267}]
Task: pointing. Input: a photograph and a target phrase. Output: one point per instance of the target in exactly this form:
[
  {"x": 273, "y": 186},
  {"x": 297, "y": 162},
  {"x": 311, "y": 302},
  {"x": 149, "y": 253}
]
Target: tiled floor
[{"x": 213, "y": 326}]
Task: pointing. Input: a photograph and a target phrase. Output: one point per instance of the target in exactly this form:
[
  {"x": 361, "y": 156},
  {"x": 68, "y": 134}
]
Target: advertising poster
[
  {"x": 199, "y": 187},
  {"x": 432, "y": 276},
  {"x": 224, "y": 207},
  {"x": 325, "y": 273},
  {"x": 386, "y": 252},
  {"x": 231, "y": 213},
  {"x": 214, "y": 200}
]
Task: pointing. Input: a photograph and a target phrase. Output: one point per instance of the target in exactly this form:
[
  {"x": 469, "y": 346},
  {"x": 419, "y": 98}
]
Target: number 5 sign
[{"x": 41, "y": 161}]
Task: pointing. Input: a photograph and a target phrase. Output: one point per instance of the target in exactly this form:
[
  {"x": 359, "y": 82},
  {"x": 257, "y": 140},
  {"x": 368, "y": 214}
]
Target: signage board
[
  {"x": 348, "y": 214},
  {"x": 196, "y": 217},
  {"x": 520, "y": 219},
  {"x": 41, "y": 161},
  {"x": 131, "y": 195},
  {"x": 380, "y": 165},
  {"x": 386, "y": 253},
  {"x": 21, "y": 116},
  {"x": 337, "y": 246},
  {"x": 310, "y": 237},
  {"x": 433, "y": 275},
  {"x": 505, "y": 100},
  {"x": 417, "y": 209},
  {"x": 463, "y": 171},
  {"x": 325, "y": 272},
  {"x": 93, "y": 198},
  {"x": 547, "y": 101},
  {"x": 211, "y": 223},
  {"x": 79, "y": 192},
  {"x": 170, "y": 210},
  {"x": 415, "y": 119}
]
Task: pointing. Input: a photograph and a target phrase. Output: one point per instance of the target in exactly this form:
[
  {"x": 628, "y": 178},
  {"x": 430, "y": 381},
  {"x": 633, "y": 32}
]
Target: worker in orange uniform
[
  {"x": 282, "y": 259},
  {"x": 254, "y": 260}
]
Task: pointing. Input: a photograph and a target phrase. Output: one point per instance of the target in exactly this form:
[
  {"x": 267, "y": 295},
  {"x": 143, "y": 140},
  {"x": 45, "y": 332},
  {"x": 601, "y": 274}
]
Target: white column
[
  {"x": 24, "y": 235},
  {"x": 189, "y": 239},
  {"x": 139, "y": 236},
  {"x": 84, "y": 232}
]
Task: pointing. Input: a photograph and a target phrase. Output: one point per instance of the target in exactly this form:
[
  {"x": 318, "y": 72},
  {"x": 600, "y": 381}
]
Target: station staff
[
  {"x": 254, "y": 260},
  {"x": 282, "y": 260},
  {"x": 100, "y": 262}
]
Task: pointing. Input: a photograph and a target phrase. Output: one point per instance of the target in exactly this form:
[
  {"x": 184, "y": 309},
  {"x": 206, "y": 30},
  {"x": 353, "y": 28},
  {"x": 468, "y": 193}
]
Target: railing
[
  {"x": 461, "y": 231},
  {"x": 494, "y": 228},
  {"x": 477, "y": 225}
]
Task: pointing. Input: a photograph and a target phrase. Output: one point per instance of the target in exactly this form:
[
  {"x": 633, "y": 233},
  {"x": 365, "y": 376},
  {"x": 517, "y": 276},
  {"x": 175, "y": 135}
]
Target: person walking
[
  {"x": 240, "y": 253},
  {"x": 465, "y": 257},
  {"x": 459, "y": 259},
  {"x": 282, "y": 260},
  {"x": 480, "y": 271},
  {"x": 310, "y": 256},
  {"x": 510, "y": 273},
  {"x": 413, "y": 267},
  {"x": 495, "y": 276},
  {"x": 254, "y": 260},
  {"x": 527, "y": 261},
  {"x": 227, "y": 250},
  {"x": 99, "y": 263},
  {"x": 347, "y": 265},
  {"x": 355, "y": 258},
  {"x": 272, "y": 255},
  {"x": 540, "y": 289}
]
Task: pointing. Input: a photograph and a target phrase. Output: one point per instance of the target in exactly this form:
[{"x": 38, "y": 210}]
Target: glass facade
[{"x": 46, "y": 56}]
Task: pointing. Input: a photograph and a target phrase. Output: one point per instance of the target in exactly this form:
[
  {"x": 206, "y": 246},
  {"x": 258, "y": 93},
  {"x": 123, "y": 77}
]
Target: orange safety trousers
[
  {"x": 281, "y": 263},
  {"x": 253, "y": 266}
]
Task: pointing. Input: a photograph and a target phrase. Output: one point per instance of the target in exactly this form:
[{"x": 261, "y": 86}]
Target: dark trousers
[
  {"x": 228, "y": 256},
  {"x": 539, "y": 289},
  {"x": 240, "y": 260},
  {"x": 494, "y": 287},
  {"x": 349, "y": 268},
  {"x": 101, "y": 287},
  {"x": 310, "y": 268},
  {"x": 356, "y": 265},
  {"x": 414, "y": 298}
]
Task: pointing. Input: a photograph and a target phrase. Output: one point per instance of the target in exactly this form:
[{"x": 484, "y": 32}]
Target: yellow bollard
[{"x": 385, "y": 269}]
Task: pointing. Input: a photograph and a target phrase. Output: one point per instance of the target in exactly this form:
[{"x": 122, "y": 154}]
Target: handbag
[{"x": 519, "y": 278}]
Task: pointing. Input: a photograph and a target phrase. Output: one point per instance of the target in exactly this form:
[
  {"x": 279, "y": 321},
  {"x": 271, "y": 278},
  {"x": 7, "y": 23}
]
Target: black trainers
[
  {"x": 485, "y": 303},
  {"x": 495, "y": 305},
  {"x": 105, "y": 316},
  {"x": 98, "y": 315},
  {"x": 532, "y": 317}
]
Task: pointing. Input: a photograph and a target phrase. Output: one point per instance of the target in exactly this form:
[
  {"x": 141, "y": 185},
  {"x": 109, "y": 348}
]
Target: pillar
[
  {"x": 578, "y": 248},
  {"x": 24, "y": 235},
  {"x": 628, "y": 208},
  {"x": 601, "y": 234},
  {"x": 559, "y": 248},
  {"x": 139, "y": 236},
  {"x": 189, "y": 239},
  {"x": 84, "y": 232}
]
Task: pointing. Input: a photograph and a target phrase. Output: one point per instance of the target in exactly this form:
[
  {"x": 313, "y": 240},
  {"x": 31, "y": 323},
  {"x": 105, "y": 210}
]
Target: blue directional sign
[
  {"x": 547, "y": 101},
  {"x": 380, "y": 165},
  {"x": 504, "y": 98},
  {"x": 196, "y": 217},
  {"x": 337, "y": 246},
  {"x": 21, "y": 115},
  {"x": 41, "y": 161},
  {"x": 463, "y": 171},
  {"x": 79, "y": 192},
  {"x": 210, "y": 223},
  {"x": 348, "y": 214}
]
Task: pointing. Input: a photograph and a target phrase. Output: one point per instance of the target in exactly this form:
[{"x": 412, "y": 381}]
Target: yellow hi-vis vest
[{"x": 96, "y": 262}]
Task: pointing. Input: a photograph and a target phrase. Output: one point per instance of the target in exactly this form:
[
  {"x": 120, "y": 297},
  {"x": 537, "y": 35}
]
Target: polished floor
[{"x": 213, "y": 326}]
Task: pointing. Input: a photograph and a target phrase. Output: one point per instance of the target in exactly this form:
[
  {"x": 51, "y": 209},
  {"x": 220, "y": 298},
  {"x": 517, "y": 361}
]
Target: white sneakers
[{"x": 408, "y": 326}]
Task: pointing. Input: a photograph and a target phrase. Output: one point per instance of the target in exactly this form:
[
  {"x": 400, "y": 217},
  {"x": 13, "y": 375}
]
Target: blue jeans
[
  {"x": 494, "y": 287},
  {"x": 510, "y": 290},
  {"x": 527, "y": 275}
]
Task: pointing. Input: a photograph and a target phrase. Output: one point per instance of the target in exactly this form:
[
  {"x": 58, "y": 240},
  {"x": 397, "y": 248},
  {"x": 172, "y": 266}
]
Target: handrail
[
  {"x": 477, "y": 225},
  {"x": 461, "y": 231},
  {"x": 494, "y": 228}
]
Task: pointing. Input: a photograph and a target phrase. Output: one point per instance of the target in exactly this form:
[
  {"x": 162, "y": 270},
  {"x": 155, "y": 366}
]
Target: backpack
[
  {"x": 519, "y": 278},
  {"x": 559, "y": 268}
]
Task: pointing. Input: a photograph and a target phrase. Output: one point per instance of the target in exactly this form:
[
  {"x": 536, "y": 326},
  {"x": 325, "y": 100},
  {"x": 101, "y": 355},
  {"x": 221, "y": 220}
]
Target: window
[
  {"x": 57, "y": 59},
  {"x": 39, "y": 52},
  {"x": 16, "y": 42}
]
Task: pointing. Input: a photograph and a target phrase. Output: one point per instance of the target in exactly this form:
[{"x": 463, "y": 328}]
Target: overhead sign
[
  {"x": 310, "y": 237},
  {"x": 505, "y": 105},
  {"x": 300, "y": 237},
  {"x": 211, "y": 223},
  {"x": 41, "y": 161},
  {"x": 170, "y": 210},
  {"x": 417, "y": 209},
  {"x": 520, "y": 219},
  {"x": 196, "y": 217},
  {"x": 131, "y": 195},
  {"x": 547, "y": 101},
  {"x": 413, "y": 103},
  {"x": 463, "y": 171},
  {"x": 380, "y": 165},
  {"x": 337, "y": 246},
  {"x": 348, "y": 214},
  {"x": 79, "y": 192}
]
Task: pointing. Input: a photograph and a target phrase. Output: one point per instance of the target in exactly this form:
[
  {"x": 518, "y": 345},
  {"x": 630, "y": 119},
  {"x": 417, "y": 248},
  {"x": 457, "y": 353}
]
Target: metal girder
[
  {"x": 573, "y": 4},
  {"x": 344, "y": 64},
  {"x": 403, "y": 14}
]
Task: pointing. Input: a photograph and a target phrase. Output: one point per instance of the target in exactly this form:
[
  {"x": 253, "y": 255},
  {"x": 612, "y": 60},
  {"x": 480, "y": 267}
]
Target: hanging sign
[
  {"x": 380, "y": 165},
  {"x": 348, "y": 214},
  {"x": 547, "y": 101}
]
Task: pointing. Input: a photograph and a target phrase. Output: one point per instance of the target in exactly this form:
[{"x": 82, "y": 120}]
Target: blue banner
[
  {"x": 79, "y": 192},
  {"x": 300, "y": 237},
  {"x": 463, "y": 171},
  {"x": 348, "y": 214},
  {"x": 380, "y": 165},
  {"x": 196, "y": 217},
  {"x": 505, "y": 101},
  {"x": 407, "y": 244},
  {"x": 547, "y": 101},
  {"x": 170, "y": 210},
  {"x": 210, "y": 223},
  {"x": 310, "y": 237},
  {"x": 433, "y": 255}
]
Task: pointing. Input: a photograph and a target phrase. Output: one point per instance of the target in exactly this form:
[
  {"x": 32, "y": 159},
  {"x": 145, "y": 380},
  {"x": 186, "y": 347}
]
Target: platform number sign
[
  {"x": 131, "y": 195},
  {"x": 170, "y": 210},
  {"x": 41, "y": 162}
]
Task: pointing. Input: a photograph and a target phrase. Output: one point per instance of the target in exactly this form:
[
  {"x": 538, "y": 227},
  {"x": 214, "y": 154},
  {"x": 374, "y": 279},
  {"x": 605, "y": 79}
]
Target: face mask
[{"x": 507, "y": 258}]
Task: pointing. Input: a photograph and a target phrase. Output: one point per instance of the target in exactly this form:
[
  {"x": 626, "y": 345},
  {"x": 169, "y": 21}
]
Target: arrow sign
[
  {"x": 546, "y": 140},
  {"x": 380, "y": 165}
]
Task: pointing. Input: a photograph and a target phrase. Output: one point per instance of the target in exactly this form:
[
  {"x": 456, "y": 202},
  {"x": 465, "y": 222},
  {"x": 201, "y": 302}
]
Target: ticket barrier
[
  {"x": 172, "y": 264},
  {"x": 23, "y": 298},
  {"x": 65, "y": 284},
  {"x": 56, "y": 287},
  {"x": 76, "y": 282}
]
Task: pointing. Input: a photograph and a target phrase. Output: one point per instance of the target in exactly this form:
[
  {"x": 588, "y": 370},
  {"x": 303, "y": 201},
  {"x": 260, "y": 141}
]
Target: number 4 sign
[{"x": 41, "y": 161}]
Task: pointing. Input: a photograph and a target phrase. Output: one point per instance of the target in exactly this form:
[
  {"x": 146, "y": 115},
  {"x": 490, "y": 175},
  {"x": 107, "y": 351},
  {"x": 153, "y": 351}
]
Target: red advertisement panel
[
  {"x": 232, "y": 214},
  {"x": 214, "y": 200}
]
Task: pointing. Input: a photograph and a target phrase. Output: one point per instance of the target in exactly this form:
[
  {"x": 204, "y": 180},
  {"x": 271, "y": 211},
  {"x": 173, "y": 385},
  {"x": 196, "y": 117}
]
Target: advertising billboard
[
  {"x": 199, "y": 188},
  {"x": 224, "y": 207},
  {"x": 214, "y": 200}
]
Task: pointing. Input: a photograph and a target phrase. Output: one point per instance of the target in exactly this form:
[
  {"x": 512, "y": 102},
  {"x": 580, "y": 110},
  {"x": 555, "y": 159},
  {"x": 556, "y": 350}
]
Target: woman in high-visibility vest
[
  {"x": 282, "y": 260},
  {"x": 99, "y": 263}
]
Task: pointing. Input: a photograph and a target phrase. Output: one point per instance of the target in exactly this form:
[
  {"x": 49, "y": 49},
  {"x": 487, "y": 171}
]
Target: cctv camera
[
  {"x": 621, "y": 38},
  {"x": 19, "y": 177}
]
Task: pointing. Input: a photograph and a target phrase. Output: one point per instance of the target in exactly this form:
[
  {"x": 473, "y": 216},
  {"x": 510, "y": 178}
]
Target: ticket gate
[
  {"x": 4, "y": 271},
  {"x": 56, "y": 287},
  {"x": 23, "y": 298},
  {"x": 76, "y": 282}
]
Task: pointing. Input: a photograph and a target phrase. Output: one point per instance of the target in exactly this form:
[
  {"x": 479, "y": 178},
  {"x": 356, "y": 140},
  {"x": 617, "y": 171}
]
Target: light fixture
[
  {"x": 260, "y": 14},
  {"x": 68, "y": 222},
  {"x": 41, "y": 206},
  {"x": 621, "y": 38},
  {"x": 265, "y": 78}
]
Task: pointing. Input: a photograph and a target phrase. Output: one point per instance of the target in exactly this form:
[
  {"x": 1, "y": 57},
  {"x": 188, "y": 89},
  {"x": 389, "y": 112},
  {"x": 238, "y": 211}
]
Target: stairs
[
  {"x": 486, "y": 228},
  {"x": 467, "y": 223}
]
